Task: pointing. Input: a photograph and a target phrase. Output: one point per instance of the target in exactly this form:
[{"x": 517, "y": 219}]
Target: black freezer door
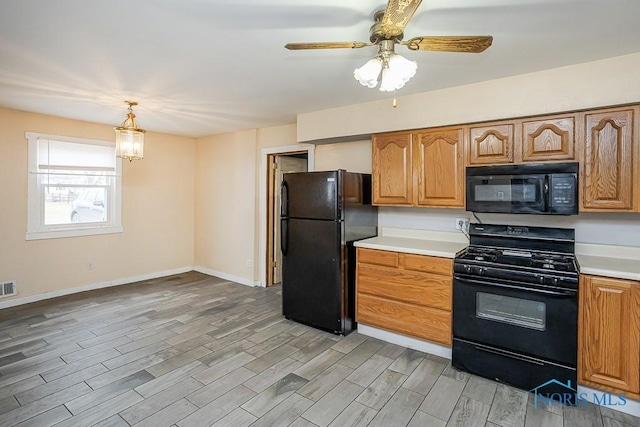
[
  {"x": 312, "y": 195},
  {"x": 312, "y": 286}
]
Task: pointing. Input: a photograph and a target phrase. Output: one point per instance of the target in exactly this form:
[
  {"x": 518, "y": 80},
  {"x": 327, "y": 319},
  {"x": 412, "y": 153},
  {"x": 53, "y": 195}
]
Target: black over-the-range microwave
[{"x": 537, "y": 188}]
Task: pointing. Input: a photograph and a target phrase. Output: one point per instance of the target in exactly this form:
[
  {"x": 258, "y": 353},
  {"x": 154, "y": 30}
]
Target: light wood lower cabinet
[
  {"x": 609, "y": 334},
  {"x": 405, "y": 293}
]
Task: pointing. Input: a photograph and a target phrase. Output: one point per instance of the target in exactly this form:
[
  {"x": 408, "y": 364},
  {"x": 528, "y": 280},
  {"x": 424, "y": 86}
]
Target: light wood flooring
[{"x": 194, "y": 350}]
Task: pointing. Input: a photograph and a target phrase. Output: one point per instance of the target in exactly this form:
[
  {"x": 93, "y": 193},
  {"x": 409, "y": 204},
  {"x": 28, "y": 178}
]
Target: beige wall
[
  {"x": 228, "y": 182},
  {"x": 157, "y": 212},
  {"x": 225, "y": 205},
  {"x": 593, "y": 84},
  {"x": 276, "y": 136},
  {"x": 352, "y": 156},
  {"x": 197, "y": 202}
]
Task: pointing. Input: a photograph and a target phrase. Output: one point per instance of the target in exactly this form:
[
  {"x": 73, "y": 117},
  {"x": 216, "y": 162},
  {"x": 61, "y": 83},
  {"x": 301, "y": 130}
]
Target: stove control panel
[
  {"x": 474, "y": 270},
  {"x": 517, "y": 231},
  {"x": 552, "y": 280},
  {"x": 509, "y": 275}
]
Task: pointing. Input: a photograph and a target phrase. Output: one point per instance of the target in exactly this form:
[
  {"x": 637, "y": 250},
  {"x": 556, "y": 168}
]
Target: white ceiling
[{"x": 201, "y": 67}]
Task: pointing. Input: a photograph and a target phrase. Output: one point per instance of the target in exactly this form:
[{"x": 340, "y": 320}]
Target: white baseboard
[
  {"x": 631, "y": 407},
  {"x": 225, "y": 276},
  {"x": 90, "y": 287},
  {"x": 405, "y": 341}
]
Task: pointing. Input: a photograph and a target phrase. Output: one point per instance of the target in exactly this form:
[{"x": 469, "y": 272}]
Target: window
[{"x": 74, "y": 187}]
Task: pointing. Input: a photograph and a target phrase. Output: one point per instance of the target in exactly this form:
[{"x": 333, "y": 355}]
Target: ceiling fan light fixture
[
  {"x": 368, "y": 74},
  {"x": 393, "y": 70},
  {"x": 396, "y": 72}
]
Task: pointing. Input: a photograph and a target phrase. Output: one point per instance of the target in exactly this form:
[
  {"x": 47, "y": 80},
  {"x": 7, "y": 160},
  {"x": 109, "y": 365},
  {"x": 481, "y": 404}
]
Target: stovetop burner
[
  {"x": 536, "y": 255},
  {"x": 482, "y": 254},
  {"x": 510, "y": 258}
]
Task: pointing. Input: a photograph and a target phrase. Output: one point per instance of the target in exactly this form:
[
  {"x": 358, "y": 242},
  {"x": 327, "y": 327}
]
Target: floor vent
[{"x": 8, "y": 289}]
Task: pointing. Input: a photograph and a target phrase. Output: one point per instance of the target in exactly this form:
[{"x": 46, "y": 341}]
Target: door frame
[
  {"x": 274, "y": 163},
  {"x": 264, "y": 182}
]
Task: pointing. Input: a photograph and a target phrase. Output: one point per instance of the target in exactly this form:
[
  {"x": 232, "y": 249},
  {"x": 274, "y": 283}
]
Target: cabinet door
[
  {"x": 609, "y": 333},
  {"x": 607, "y": 173},
  {"x": 392, "y": 169},
  {"x": 491, "y": 144},
  {"x": 439, "y": 164},
  {"x": 548, "y": 139}
]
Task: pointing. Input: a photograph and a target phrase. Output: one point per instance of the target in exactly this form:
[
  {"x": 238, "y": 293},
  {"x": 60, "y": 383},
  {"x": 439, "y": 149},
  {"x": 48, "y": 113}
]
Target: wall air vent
[{"x": 8, "y": 289}]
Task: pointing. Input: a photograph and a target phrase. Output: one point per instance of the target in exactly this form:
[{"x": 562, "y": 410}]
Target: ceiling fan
[{"x": 386, "y": 32}]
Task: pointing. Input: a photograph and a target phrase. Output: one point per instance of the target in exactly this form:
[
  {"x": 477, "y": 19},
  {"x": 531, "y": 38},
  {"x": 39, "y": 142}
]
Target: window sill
[{"x": 58, "y": 234}]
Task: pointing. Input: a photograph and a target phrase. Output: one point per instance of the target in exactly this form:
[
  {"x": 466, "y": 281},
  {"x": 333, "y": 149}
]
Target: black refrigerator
[{"x": 322, "y": 215}]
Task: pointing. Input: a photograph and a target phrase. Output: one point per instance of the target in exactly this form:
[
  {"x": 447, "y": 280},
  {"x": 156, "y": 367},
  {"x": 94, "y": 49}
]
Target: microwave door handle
[{"x": 545, "y": 196}]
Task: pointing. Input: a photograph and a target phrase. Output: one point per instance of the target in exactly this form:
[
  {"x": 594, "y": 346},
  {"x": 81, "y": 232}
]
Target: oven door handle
[{"x": 558, "y": 293}]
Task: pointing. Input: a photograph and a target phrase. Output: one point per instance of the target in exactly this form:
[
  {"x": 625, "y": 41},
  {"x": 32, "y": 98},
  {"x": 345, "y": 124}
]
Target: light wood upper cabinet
[
  {"x": 491, "y": 144},
  {"x": 538, "y": 139},
  {"x": 439, "y": 164},
  {"x": 609, "y": 333},
  {"x": 419, "y": 169},
  {"x": 392, "y": 169},
  {"x": 548, "y": 139},
  {"x": 426, "y": 167},
  {"x": 607, "y": 165}
]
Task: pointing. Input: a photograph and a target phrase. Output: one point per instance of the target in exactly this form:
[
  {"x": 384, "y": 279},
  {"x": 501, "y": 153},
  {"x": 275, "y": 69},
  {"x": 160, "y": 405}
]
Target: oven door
[
  {"x": 517, "y": 317},
  {"x": 508, "y": 193}
]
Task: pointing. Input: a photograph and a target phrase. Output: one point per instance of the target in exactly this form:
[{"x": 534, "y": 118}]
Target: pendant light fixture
[{"x": 129, "y": 137}]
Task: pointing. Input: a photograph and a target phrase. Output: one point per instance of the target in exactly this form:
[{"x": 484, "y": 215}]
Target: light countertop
[
  {"x": 619, "y": 262},
  {"x": 620, "y": 268},
  {"x": 437, "y": 248}
]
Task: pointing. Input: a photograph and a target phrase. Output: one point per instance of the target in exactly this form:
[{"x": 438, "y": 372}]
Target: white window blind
[{"x": 72, "y": 156}]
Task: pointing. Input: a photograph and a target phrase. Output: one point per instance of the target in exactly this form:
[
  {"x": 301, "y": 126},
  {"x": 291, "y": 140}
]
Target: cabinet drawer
[
  {"x": 376, "y": 257},
  {"x": 417, "y": 321},
  {"x": 416, "y": 288},
  {"x": 428, "y": 264}
]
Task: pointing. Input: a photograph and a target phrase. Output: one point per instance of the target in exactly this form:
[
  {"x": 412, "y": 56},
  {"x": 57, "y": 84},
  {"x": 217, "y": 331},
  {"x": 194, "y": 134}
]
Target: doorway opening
[{"x": 277, "y": 165}]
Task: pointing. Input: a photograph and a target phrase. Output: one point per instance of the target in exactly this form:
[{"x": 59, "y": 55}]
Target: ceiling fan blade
[
  {"x": 397, "y": 16},
  {"x": 468, "y": 44},
  {"x": 328, "y": 45}
]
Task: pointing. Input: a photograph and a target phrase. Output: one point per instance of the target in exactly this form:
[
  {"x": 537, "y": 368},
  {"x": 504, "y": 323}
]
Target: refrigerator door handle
[
  {"x": 284, "y": 235},
  {"x": 284, "y": 217},
  {"x": 284, "y": 199}
]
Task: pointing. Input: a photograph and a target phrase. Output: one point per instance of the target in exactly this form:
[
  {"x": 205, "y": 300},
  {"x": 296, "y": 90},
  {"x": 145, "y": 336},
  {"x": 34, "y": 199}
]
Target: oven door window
[{"x": 515, "y": 311}]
